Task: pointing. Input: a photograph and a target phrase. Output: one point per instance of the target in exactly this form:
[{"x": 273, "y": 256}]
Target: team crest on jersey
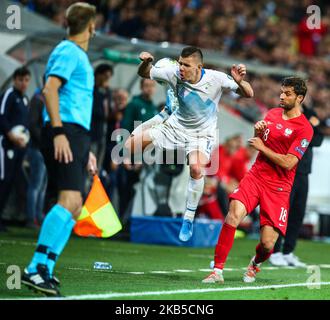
[
  {"x": 10, "y": 154},
  {"x": 304, "y": 143},
  {"x": 279, "y": 126},
  {"x": 207, "y": 85},
  {"x": 25, "y": 101},
  {"x": 287, "y": 132}
]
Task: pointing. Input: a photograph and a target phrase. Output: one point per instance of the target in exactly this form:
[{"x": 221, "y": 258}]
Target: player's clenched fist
[
  {"x": 238, "y": 72},
  {"x": 260, "y": 126},
  {"x": 146, "y": 56}
]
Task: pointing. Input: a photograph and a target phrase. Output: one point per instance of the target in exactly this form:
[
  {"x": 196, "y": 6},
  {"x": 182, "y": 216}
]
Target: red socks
[
  {"x": 225, "y": 242},
  {"x": 261, "y": 255}
]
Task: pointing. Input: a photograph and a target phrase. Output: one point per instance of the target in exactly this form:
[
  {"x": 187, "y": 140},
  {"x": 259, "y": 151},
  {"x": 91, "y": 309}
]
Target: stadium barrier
[{"x": 165, "y": 231}]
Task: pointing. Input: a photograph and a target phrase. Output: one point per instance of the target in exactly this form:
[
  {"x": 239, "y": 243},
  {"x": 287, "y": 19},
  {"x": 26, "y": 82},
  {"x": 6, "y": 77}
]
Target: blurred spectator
[
  {"x": 101, "y": 109},
  {"x": 241, "y": 162},
  {"x": 37, "y": 179},
  {"x": 208, "y": 204},
  {"x": 226, "y": 153},
  {"x": 141, "y": 108},
  {"x": 223, "y": 155},
  {"x": 309, "y": 39},
  {"x": 13, "y": 111},
  {"x": 118, "y": 106}
]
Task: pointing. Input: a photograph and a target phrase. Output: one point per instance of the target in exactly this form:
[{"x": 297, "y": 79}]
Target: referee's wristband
[{"x": 58, "y": 131}]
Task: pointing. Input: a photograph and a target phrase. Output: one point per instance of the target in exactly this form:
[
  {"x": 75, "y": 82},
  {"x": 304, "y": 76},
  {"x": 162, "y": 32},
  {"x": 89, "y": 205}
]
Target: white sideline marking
[
  {"x": 135, "y": 272},
  {"x": 160, "y": 293},
  {"x": 325, "y": 266},
  {"x": 79, "y": 269}
]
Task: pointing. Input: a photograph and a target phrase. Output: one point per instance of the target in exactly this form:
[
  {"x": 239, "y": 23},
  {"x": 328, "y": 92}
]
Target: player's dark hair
[
  {"x": 21, "y": 72},
  {"x": 298, "y": 84},
  {"x": 189, "y": 51},
  {"x": 103, "y": 68},
  {"x": 78, "y": 15}
]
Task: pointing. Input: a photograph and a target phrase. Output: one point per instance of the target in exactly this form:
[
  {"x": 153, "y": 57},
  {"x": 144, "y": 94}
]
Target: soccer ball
[
  {"x": 21, "y": 131},
  {"x": 165, "y": 63}
]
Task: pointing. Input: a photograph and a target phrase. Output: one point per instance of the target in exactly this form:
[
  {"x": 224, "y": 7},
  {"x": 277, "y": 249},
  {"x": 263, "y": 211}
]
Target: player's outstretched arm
[
  {"x": 238, "y": 73},
  {"x": 286, "y": 161},
  {"x": 145, "y": 65}
]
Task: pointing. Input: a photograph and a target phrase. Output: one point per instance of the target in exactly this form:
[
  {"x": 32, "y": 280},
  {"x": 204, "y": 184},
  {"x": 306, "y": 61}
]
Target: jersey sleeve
[
  {"x": 63, "y": 62},
  {"x": 166, "y": 74},
  {"x": 301, "y": 142},
  {"x": 226, "y": 81}
]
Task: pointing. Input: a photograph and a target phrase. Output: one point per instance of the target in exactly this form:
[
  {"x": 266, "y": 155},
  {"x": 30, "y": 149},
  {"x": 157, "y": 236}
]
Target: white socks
[
  {"x": 218, "y": 271},
  {"x": 195, "y": 191}
]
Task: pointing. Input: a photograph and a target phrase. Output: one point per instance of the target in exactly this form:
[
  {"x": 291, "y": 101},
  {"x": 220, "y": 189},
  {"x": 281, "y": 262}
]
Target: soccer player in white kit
[{"x": 192, "y": 126}]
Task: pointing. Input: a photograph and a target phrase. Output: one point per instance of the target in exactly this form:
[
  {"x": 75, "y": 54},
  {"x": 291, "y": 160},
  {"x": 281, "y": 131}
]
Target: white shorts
[{"x": 169, "y": 136}]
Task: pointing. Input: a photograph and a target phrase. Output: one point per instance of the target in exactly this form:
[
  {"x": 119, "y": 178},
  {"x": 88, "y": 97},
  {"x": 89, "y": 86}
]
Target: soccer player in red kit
[{"x": 281, "y": 139}]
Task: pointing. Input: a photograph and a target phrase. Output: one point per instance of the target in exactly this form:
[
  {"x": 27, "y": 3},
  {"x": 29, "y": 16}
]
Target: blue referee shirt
[{"x": 70, "y": 63}]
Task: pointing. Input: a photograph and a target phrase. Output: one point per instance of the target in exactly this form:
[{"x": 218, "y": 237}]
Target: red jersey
[{"x": 282, "y": 136}]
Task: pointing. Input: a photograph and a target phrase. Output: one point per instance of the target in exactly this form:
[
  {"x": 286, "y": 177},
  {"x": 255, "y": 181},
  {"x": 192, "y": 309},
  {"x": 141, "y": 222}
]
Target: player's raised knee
[{"x": 195, "y": 171}]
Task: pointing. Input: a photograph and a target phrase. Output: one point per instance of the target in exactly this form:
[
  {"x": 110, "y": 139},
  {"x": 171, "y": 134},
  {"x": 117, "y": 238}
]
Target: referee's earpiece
[{"x": 92, "y": 31}]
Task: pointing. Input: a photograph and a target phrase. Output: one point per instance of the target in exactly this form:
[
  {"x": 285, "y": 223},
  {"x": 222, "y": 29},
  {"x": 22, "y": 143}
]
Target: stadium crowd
[{"x": 268, "y": 31}]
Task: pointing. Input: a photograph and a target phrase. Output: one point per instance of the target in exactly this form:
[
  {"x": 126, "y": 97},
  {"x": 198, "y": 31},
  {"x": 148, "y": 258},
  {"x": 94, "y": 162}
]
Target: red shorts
[{"x": 274, "y": 202}]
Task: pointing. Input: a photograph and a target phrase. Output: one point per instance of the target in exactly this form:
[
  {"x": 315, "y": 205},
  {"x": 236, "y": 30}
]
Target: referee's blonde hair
[{"x": 78, "y": 16}]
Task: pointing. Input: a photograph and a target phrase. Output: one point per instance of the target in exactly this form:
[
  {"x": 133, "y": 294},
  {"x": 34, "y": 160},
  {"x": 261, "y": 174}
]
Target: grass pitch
[{"x": 164, "y": 272}]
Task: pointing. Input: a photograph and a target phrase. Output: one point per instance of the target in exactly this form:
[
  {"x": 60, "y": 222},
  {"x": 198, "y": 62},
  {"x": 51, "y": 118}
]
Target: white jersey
[
  {"x": 198, "y": 103},
  {"x": 172, "y": 103}
]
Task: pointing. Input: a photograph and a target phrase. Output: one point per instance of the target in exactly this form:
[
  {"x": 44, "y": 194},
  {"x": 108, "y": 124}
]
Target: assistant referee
[{"x": 65, "y": 142}]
